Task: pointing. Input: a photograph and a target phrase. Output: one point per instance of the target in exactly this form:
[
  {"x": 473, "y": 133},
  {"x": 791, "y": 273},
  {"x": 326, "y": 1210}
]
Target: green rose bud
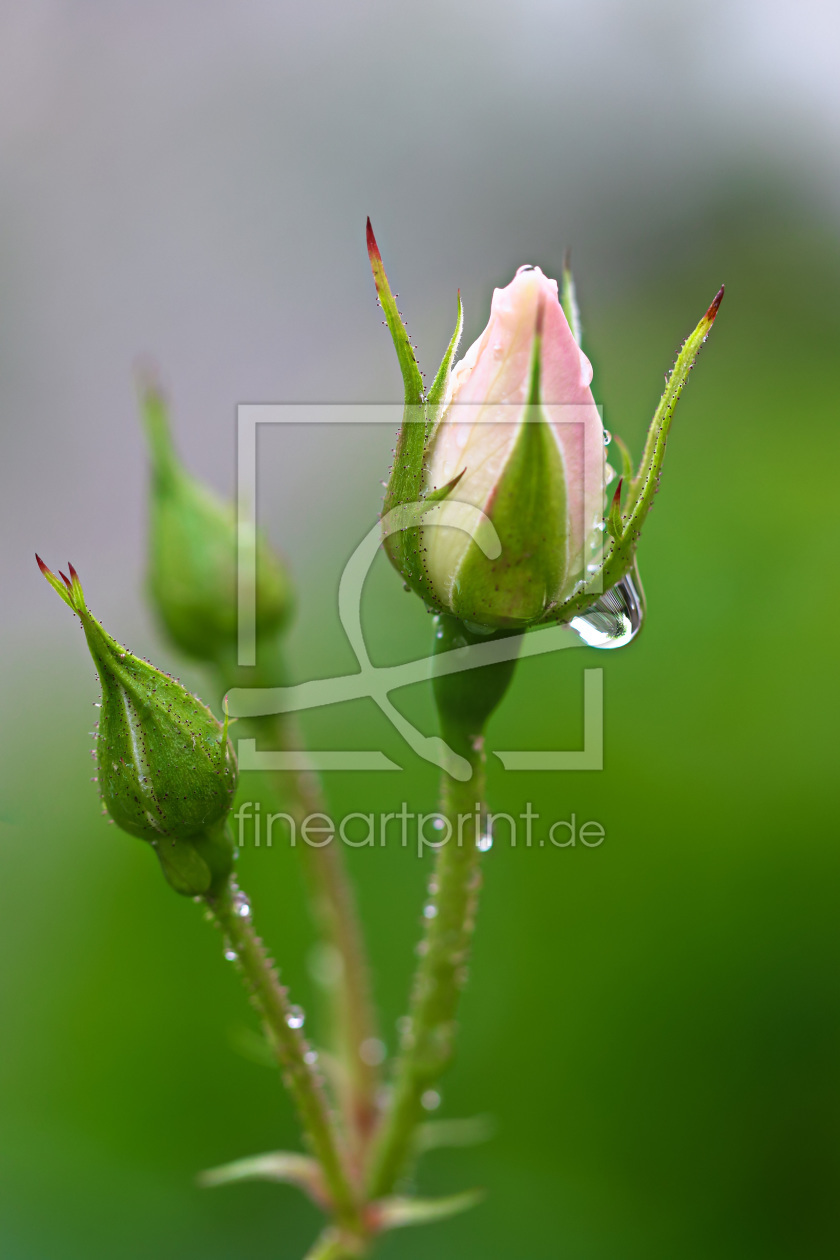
[
  {"x": 193, "y": 556},
  {"x": 166, "y": 768}
]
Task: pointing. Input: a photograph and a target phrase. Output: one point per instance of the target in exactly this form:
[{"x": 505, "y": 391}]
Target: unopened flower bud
[
  {"x": 523, "y": 436},
  {"x": 193, "y": 545},
  {"x": 510, "y": 441},
  {"x": 166, "y": 768}
]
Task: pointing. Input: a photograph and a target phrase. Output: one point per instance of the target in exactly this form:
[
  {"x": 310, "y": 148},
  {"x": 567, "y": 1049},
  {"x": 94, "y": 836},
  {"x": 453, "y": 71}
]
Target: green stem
[
  {"x": 301, "y": 1077},
  {"x": 440, "y": 976},
  {"x": 334, "y": 910},
  {"x": 465, "y": 702}
]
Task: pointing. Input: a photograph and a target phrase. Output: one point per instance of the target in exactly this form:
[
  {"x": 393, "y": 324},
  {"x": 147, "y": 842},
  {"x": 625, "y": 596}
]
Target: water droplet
[
  {"x": 438, "y": 825},
  {"x": 311, "y": 1057},
  {"x": 430, "y": 910},
  {"x": 524, "y": 267},
  {"x": 483, "y": 843},
  {"x": 231, "y": 955},
  {"x": 430, "y": 1100},
  {"x": 295, "y": 1017},
  {"x": 607, "y": 437},
  {"x": 616, "y": 618},
  {"x": 242, "y": 906},
  {"x": 372, "y": 1051}
]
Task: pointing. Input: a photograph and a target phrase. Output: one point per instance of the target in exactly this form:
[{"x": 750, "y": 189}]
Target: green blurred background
[{"x": 654, "y": 1024}]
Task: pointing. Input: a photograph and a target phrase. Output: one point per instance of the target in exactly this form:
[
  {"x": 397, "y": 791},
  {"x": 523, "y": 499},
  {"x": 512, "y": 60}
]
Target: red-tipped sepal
[
  {"x": 715, "y": 306},
  {"x": 60, "y": 585},
  {"x": 412, "y": 377},
  {"x": 625, "y": 526}
]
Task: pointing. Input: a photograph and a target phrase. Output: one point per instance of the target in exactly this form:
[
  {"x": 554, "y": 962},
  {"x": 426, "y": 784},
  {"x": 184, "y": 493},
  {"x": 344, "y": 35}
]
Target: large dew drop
[{"x": 616, "y": 618}]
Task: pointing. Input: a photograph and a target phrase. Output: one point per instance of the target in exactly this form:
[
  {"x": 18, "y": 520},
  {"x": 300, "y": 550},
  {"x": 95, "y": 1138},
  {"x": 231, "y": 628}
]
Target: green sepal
[
  {"x": 613, "y": 517},
  {"x": 287, "y": 1167},
  {"x": 439, "y": 495},
  {"x": 437, "y": 398},
  {"x": 620, "y": 558},
  {"x": 411, "y": 374},
  {"x": 61, "y": 586},
  {"x": 405, "y": 486},
  {"x": 643, "y": 487},
  {"x": 568, "y": 299},
  {"x": 404, "y": 547},
  {"x": 408, "y": 474},
  {"x": 398, "y": 1212}
]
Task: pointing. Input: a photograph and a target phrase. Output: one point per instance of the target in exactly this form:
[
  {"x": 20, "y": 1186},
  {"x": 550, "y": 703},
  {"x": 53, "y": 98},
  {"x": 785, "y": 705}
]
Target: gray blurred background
[
  {"x": 655, "y": 1025},
  {"x": 189, "y": 182}
]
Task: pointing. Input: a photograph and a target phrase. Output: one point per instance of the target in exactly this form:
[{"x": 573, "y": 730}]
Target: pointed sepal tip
[
  {"x": 68, "y": 590},
  {"x": 372, "y": 247},
  {"x": 715, "y": 306}
]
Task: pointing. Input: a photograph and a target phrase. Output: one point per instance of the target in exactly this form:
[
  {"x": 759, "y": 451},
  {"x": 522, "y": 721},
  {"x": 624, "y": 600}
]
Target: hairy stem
[
  {"x": 429, "y": 1033},
  {"x": 464, "y": 702},
  {"x": 270, "y": 998},
  {"x": 334, "y": 911}
]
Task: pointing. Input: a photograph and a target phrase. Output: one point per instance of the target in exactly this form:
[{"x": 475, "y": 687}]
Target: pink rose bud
[
  {"x": 521, "y": 431},
  {"x": 495, "y": 508}
]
